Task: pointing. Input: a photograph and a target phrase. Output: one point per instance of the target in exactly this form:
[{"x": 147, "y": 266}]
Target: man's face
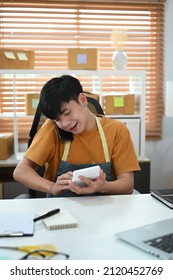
[{"x": 74, "y": 115}]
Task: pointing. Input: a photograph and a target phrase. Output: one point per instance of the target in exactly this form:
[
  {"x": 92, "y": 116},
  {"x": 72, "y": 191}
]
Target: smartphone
[
  {"x": 91, "y": 173},
  {"x": 64, "y": 135}
]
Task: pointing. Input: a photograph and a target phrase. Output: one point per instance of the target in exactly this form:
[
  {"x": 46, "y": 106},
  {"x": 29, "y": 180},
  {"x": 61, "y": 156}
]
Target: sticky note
[
  {"x": 34, "y": 103},
  {"x": 118, "y": 101},
  {"x": 22, "y": 56},
  {"x": 10, "y": 55},
  {"x": 82, "y": 59}
]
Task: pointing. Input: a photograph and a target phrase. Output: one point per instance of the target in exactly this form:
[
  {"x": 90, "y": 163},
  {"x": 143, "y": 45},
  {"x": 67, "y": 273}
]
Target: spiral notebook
[{"x": 61, "y": 220}]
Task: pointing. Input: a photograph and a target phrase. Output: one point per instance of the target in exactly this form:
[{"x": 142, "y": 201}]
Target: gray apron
[{"x": 65, "y": 166}]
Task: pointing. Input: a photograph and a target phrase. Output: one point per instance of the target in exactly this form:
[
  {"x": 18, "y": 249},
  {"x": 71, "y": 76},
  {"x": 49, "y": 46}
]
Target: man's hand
[
  {"x": 62, "y": 183},
  {"x": 92, "y": 186}
]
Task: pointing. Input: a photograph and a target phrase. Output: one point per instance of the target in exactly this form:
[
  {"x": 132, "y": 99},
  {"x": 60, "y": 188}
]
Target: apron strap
[
  {"x": 66, "y": 151},
  {"x": 103, "y": 139}
]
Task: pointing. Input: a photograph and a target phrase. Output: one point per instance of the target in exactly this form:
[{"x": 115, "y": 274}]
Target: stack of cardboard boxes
[{"x": 6, "y": 145}]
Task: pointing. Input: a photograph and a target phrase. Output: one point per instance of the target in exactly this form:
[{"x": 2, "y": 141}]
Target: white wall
[{"x": 161, "y": 152}]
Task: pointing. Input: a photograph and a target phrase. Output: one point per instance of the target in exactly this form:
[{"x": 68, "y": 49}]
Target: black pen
[{"x": 48, "y": 214}]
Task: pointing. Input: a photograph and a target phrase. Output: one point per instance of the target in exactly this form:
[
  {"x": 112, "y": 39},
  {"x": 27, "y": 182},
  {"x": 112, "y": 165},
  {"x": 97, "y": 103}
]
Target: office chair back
[{"x": 39, "y": 119}]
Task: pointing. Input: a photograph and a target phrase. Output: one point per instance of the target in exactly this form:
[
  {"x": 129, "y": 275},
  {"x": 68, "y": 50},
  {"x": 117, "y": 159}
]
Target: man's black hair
[{"x": 57, "y": 91}]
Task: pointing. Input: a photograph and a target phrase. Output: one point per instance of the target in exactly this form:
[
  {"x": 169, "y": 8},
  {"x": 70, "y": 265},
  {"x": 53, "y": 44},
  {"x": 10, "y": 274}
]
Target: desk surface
[{"x": 99, "y": 218}]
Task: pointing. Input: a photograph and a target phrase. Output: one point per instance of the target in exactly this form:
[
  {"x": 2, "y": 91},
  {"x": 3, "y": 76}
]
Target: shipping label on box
[
  {"x": 6, "y": 145},
  {"x": 82, "y": 59},
  {"x": 16, "y": 59},
  {"x": 119, "y": 104},
  {"x": 32, "y": 100}
]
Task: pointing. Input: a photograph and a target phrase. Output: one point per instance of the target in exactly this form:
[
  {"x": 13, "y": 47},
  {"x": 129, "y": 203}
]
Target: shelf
[
  {"x": 97, "y": 73},
  {"x": 18, "y": 115},
  {"x": 12, "y": 160},
  {"x": 135, "y": 116},
  {"x": 135, "y": 82}
]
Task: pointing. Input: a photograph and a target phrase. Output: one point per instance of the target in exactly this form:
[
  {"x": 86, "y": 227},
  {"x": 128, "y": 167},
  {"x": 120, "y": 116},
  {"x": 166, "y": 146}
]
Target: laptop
[
  {"x": 164, "y": 195},
  {"x": 155, "y": 238}
]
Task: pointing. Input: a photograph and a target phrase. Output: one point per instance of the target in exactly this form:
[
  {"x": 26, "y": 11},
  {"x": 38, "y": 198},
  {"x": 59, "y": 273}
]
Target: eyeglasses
[{"x": 45, "y": 255}]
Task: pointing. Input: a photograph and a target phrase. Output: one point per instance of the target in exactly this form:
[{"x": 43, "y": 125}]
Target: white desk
[{"x": 99, "y": 217}]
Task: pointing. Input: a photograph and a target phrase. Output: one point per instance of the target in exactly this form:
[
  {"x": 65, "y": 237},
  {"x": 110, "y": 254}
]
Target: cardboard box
[
  {"x": 6, "y": 145},
  {"x": 16, "y": 59},
  {"x": 32, "y": 100},
  {"x": 82, "y": 59},
  {"x": 119, "y": 104}
]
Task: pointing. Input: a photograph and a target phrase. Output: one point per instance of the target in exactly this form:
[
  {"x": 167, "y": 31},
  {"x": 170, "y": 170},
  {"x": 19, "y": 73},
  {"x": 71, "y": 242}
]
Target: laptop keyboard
[{"x": 164, "y": 243}]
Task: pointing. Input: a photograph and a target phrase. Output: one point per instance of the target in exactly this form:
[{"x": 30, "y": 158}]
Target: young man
[{"x": 97, "y": 140}]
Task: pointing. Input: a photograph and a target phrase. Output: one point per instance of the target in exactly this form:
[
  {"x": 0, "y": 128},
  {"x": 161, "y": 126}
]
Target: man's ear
[{"x": 82, "y": 99}]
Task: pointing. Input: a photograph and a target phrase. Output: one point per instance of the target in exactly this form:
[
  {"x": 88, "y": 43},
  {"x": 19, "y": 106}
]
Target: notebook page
[{"x": 61, "y": 220}]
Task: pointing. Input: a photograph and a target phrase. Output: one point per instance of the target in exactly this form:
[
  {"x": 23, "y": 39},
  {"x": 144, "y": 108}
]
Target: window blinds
[{"x": 51, "y": 27}]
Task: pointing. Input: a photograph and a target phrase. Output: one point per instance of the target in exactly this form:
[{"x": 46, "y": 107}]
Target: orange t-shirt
[{"x": 46, "y": 148}]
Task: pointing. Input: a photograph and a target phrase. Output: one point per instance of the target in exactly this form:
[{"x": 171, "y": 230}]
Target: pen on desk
[{"x": 48, "y": 214}]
